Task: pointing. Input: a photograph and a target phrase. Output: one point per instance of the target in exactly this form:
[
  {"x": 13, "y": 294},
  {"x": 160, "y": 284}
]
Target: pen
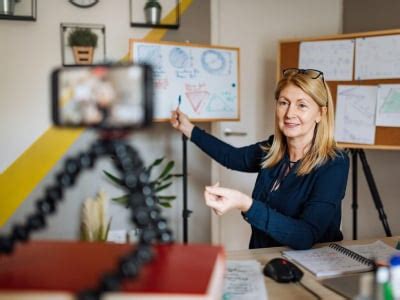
[{"x": 179, "y": 101}]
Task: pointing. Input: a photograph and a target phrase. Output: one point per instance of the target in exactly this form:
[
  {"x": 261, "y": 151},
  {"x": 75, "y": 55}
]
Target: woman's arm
[
  {"x": 319, "y": 210},
  {"x": 245, "y": 159}
]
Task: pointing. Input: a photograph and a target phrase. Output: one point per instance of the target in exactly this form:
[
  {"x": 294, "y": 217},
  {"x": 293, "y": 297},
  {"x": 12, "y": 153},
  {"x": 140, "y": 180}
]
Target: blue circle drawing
[
  {"x": 213, "y": 61},
  {"x": 178, "y": 58}
]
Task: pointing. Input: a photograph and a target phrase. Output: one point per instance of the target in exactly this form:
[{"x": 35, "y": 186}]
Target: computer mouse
[{"x": 282, "y": 270}]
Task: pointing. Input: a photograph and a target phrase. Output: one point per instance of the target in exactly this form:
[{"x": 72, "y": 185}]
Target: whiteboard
[{"x": 202, "y": 80}]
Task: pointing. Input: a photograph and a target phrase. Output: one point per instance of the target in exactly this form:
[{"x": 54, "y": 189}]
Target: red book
[{"x": 59, "y": 269}]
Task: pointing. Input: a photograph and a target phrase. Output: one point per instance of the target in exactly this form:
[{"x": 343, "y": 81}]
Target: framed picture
[
  {"x": 155, "y": 13},
  {"x": 83, "y": 44},
  {"x": 20, "y": 10}
]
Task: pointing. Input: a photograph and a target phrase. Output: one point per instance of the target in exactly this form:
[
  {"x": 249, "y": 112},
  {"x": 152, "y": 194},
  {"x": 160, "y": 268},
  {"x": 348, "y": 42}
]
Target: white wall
[{"x": 28, "y": 52}]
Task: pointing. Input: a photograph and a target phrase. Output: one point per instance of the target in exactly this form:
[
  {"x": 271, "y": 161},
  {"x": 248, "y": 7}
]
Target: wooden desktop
[{"x": 284, "y": 291}]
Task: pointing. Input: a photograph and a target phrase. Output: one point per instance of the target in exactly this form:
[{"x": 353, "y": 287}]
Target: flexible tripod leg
[
  {"x": 354, "y": 204},
  {"x": 374, "y": 192}
]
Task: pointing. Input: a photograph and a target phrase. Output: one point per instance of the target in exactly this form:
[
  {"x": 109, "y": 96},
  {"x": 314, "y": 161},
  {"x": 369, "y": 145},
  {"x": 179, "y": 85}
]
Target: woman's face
[{"x": 297, "y": 114}]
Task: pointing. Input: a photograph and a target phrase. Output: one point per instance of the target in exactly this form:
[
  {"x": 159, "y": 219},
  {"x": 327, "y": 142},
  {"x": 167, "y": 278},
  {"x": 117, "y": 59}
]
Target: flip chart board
[{"x": 202, "y": 80}]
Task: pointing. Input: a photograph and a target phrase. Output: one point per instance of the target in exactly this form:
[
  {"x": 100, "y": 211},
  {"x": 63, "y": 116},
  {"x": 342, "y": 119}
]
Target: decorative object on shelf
[
  {"x": 84, "y": 3},
  {"x": 150, "y": 13},
  {"x": 160, "y": 183},
  {"x": 83, "y": 42},
  {"x": 7, "y": 7},
  {"x": 83, "y": 39},
  {"x": 94, "y": 225},
  {"x": 18, "y": 10}
]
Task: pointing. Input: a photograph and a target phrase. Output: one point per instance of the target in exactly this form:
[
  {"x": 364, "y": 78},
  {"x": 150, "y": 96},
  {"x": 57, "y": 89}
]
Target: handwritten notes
[
  {"x": 355, "y": 114},
  {"x": 244, "y": 281},
  {"x": 388, "y": 105},
  {"x": 378, "y": 251},
  {"x": 377, "y": 57},
  {"x": 334, "y": 58}
]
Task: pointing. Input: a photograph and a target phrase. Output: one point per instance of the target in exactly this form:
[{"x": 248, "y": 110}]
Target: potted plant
[
  {"x": 82, "y": 41},
  {"x": 7, "y": 7},
  {"x": 160, "y": 182},
  {"x": 152, "y": 12}
]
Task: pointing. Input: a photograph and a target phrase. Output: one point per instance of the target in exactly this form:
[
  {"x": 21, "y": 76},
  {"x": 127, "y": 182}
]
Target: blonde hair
[{"x": 323, "y": 146}]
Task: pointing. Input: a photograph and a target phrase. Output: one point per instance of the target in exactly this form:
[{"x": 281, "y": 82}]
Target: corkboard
[{"x": 288, "y": 57}]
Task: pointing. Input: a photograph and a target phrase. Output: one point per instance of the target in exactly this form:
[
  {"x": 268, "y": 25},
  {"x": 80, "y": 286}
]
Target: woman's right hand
[{"x": 181, "y": 122}]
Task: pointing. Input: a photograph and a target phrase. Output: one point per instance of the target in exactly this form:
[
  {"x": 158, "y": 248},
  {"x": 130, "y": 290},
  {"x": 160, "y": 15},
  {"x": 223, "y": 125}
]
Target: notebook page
[
  {"x": 377, "y": 250},
  {"x": 325, "y": 261}
]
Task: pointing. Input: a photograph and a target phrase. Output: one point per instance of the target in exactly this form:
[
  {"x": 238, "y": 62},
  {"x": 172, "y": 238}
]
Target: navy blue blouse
[{"x": 304, "y": 210}]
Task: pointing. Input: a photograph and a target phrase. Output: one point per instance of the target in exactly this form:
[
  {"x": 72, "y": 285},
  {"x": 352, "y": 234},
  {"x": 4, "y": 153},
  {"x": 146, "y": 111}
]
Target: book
[
  {"x": 334, "y": 259},
  {"x": 60, "y": 269}
]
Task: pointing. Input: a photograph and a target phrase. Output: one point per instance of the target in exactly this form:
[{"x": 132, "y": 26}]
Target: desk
[{"x": 293, "y": 291}]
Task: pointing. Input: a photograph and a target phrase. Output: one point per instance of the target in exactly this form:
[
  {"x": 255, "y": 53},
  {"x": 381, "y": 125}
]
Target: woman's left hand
[{"x": 222, "y": 200}]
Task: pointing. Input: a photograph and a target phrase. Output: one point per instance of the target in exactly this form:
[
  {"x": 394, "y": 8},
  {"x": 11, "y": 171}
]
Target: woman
[{"x": 302, "y": 176}]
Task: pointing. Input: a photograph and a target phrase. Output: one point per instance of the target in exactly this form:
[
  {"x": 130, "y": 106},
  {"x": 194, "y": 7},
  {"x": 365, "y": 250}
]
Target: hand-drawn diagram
[
  {"x": 355, "y": 114},
  {"x": 377, "y": 57},
  {"x": 388, "y": 107},
  {"x": 334, "y": 58},
  {"x": 182, "y": 60},
  {"x": 205, "y": 79},
  {"x": 216, "y": 62}
]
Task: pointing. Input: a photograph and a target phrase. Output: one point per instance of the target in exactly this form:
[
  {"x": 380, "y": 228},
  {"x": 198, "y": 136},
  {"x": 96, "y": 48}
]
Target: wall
[
  {"x": 369, "y": 15},
  {"x": 28, "y": 52},
  {"x": 360, "y": 16}
]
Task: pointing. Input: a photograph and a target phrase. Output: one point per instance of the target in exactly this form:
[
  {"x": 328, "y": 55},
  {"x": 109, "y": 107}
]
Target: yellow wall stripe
[{"x": 19, "y": 179}]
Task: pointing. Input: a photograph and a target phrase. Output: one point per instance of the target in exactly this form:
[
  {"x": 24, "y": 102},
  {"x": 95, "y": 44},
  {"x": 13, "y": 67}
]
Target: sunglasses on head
[{"x": 312, "y": 73}]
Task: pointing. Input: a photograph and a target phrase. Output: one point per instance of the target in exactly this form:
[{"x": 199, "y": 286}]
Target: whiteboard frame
[{"x": 237, "y": 118}]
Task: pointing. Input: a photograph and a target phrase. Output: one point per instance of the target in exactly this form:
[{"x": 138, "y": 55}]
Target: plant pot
[
  {"x": 83, "y": 55},
  {"x": 7, "y": 7},
  {"x": 152, "y": 12}
]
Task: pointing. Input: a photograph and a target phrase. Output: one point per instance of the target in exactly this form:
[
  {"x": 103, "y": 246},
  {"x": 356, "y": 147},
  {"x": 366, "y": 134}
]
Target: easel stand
[
  {"x": 373, "y": 189},
  {"x": 185, "y": 211}
]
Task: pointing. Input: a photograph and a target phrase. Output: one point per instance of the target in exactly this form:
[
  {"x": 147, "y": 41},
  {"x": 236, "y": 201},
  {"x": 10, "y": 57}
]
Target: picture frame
[
  {"x": 68, "y": 53},
  {"x": 153, "y": 13},
  {"x": 18, "y": 10}
]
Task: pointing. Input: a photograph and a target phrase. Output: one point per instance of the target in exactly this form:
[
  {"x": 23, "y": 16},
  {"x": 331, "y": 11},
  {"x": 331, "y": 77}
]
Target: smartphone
[{"x": 102, "y": 96}]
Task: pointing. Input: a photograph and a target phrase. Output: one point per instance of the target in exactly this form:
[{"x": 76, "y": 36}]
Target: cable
[{"x": 309, "y": 290}]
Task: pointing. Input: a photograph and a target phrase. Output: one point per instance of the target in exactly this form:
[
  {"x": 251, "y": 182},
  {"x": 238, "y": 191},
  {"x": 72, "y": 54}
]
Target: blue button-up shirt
[{"x": 304, "y": 210}]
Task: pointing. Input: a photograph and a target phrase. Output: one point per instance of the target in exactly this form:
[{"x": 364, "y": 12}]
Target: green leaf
[
  {"x": 155, "y": 163},
  {"x": 123, "y": 200},
  {"x": 160, "y": 188},
  {"x": 169, "y": 176},
  {"x": 114, "y": 178},
  {"x": 166, "y": 198},
  {"x": 167, "y": 169},
  {"x": 165, "y": 204},
  {"x": 107, "y": 230}
]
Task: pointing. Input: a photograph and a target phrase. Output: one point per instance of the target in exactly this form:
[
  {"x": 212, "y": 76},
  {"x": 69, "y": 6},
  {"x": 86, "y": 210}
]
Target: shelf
[
  {"x": 169, "y": 17},
  {"x": 19, "y": 11}
]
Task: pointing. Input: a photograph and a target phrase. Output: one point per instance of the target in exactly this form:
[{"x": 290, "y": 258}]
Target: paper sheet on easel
[{"x": 355, "y": 114}]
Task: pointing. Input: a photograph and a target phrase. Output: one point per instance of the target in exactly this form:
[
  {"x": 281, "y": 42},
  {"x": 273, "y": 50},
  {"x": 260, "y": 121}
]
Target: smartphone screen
[{"x": 118, "y": 96}]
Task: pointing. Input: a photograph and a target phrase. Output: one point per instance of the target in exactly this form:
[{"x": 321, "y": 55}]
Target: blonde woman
[{"x": 302, "y": 175}]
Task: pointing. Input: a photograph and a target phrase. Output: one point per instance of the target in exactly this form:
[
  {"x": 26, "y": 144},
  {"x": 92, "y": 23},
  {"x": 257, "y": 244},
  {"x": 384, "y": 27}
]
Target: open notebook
[{"x": 335, "y": 259}]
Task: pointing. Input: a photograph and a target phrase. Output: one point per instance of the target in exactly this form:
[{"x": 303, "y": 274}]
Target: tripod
[{"x": 373, "y": 189}]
